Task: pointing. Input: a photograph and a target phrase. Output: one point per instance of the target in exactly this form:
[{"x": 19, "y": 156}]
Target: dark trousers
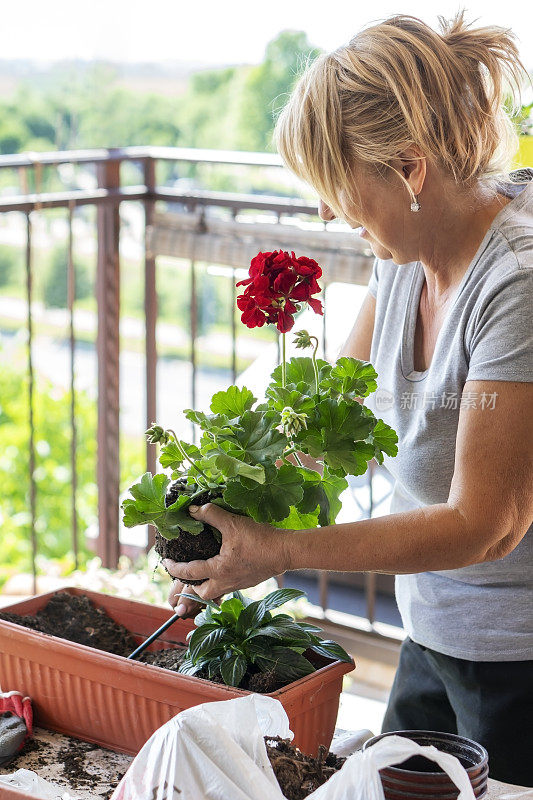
[{"x": 488, "y": 701}]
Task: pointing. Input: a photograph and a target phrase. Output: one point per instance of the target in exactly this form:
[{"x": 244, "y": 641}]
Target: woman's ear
[{"x": 412, "y": 166}]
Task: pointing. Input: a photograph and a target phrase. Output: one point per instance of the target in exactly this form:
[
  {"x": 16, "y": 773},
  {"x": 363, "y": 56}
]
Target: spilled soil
[
  {"x": 72, "y": 764},
  {"x": 300, "y": 775}
]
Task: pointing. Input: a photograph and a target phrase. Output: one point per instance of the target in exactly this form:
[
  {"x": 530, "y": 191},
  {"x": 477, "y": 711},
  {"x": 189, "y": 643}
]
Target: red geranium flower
[{"x": 278, "y": 280}]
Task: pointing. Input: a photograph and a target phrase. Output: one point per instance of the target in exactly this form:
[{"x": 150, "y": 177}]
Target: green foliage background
[
  {"x": 227, "y": 108},
  {"x": 52, "y": 472}
]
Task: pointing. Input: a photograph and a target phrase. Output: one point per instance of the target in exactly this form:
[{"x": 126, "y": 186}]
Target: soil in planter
[
  {"x": 75, "y": 618},
  {"x": 170, "y": 658},
  {"x": 299, "y": 775},
  {"x": 189, "y": 546}
]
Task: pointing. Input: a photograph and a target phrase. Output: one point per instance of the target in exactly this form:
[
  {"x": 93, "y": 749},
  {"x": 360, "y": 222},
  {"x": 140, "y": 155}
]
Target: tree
[
  {"x": 55, "y": 282},
  {"x": 268, "y": 85}
]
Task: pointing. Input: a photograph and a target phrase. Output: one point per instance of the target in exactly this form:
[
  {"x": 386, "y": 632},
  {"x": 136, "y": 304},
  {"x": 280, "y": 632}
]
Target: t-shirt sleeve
[
  {"x": 501, "y": 347},
  {"x": 374, "y": 278}
]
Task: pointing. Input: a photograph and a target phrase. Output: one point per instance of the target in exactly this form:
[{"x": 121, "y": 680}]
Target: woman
[{"x": 402, "y": 133}]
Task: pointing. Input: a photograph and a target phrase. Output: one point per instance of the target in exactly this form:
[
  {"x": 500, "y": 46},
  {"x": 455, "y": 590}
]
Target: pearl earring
[{"x": 415, "y": 205}]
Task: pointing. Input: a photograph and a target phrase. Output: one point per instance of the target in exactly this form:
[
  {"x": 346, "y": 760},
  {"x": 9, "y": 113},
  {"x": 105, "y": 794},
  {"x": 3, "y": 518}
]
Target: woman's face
[{"x": 380, "y": 208}]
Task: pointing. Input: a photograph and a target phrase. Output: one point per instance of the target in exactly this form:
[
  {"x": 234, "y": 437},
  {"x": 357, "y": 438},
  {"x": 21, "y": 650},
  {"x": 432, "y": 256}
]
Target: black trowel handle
[{"x": 166, "y": 625}]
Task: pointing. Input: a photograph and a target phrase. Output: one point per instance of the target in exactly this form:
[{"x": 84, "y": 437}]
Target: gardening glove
[{"x": 16, "y": 724}]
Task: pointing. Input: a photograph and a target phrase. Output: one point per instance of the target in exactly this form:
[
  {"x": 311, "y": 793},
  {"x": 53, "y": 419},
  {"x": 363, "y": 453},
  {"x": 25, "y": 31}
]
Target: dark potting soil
[
  {"x": 189, "y": 546},
  {"x": 170, "y": 658},
  {"x": 299, "y": 775},
  {"x": 260, "y": 682},
  {"x": 74, "y": 617}
]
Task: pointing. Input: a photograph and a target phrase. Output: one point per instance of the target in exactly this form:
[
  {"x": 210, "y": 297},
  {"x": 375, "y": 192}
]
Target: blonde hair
[{"x": 400, "y": 83}]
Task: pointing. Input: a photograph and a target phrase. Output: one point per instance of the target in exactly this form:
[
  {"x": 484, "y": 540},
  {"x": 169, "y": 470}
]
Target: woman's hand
[
  {"x": 250, "y": 553},
  {"x": 182, "y": 605}
]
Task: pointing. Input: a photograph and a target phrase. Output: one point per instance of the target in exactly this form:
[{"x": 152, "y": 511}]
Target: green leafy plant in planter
[
  {"x": 247, "y": 459},
  {"x": 241, "y": 643}
]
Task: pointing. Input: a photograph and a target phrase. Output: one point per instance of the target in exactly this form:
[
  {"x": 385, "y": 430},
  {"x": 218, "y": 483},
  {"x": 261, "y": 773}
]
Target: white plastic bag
[
  {"x": 216, "y": 751},
  {"x": 30, "y": 783},
  {"x": 213, "y": 750},
  {"x": 359, "y": 777}
]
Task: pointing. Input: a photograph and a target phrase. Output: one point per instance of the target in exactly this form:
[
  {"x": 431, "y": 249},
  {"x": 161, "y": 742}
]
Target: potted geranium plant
[{"x": 247, "y": 459}]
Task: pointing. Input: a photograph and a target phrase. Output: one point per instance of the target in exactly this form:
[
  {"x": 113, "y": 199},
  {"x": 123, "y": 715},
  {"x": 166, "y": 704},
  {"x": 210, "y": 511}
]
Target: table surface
[
  {"x": 103, "y": 768},
  {"x": 48, "y": 755}
]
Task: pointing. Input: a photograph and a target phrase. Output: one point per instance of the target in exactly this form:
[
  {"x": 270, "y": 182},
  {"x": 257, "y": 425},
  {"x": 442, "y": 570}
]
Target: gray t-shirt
[{"x": 482, "y": 612}]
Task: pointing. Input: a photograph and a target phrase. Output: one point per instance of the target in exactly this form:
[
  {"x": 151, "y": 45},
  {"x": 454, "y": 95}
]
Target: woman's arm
[
  {"x": 359, "y": 341},
  {"x": 489, "y": 510}
]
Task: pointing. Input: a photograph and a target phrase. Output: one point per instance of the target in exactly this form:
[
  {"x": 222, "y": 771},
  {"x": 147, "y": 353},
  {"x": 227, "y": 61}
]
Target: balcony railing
[{"x": 197, "y": 225}]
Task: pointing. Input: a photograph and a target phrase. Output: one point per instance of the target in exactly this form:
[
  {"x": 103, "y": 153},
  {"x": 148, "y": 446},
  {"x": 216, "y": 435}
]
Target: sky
[{"x": 216, "y": 31}]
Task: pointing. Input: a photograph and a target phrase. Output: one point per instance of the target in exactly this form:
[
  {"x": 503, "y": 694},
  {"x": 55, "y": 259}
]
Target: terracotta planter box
[
  {"x": 117, "y": 703},
  {"x": 14, "y": 794}
]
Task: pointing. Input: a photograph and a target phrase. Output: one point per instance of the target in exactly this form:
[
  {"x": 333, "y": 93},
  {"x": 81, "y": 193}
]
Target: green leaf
[
  {"x": 204, "y": 616},
  {"x": 270, "y": 501},
  {"x": 290, "y": 633},
  {"x": 309, "y": 628},
  {"x": 151, "y": 490},
  {"x": 351, "y": 378},
  {"x": 213, "y": 667},
  {"x": 313, "y": 494},
  {"x": 171, "y": 457},
  {"x": 320, "y": 503},
  {"x": 205, "y": 639},
  {"x": 385, "y": 440},
  {"x": 349, "y": 419},
  {"x": 300, "y": 372},
  {"x": 149, "y": 507},
  {"x": 279, "y": 597},
  {"x": 331, "y": 649},
  {"x": 233, "y": 669},
  {"x": 351, "y": 457},
  {"x": 251, "y": 617},
  {"x": 258, "y": 437},
  {"x": 187, "y": 667},
  {"x": 231, "y": 467},
  {"x": 233, "y": 607},
  {"x": 214, "y": 424},
  {"x": 333, "y": 486},
  {"x": 298, "y": 521},
  {"x": 232, "y": 402},
  {"x": 240, "y": 596},
  {"x": 281, "y": 397},
  {"x": 285, "y": 663}
]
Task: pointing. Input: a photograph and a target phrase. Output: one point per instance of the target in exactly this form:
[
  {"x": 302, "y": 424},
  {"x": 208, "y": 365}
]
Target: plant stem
[
  {"x": 314, "y": 362},
  {"x": 293, "y": 451},
  {"x": 283, "y": 361},
  {"x": 290, "y": 451},
  {"x": 185, "y": 456},
  {"x": 298, "y": 460}
]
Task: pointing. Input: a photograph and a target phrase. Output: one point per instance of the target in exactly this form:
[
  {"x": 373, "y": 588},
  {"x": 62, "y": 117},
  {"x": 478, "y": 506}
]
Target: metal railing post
[
  {"x": 108, "y": 350},
  {"x": 150, "y": 311}
]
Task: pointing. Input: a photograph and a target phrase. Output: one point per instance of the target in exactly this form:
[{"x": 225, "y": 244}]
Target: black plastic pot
[{"x": 419, "y": 778}]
